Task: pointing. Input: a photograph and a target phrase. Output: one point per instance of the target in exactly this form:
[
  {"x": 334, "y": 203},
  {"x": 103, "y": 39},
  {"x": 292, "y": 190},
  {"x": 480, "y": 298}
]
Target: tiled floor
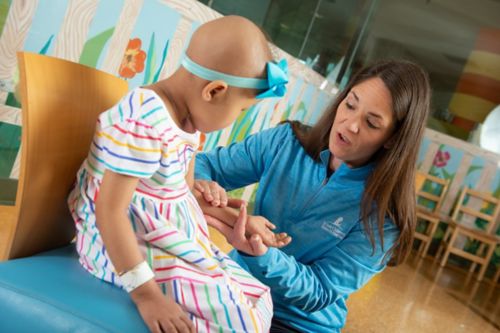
[{"x": 419, "y": 296}]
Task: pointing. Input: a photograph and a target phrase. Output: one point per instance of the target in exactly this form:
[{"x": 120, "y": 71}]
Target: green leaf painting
[
  {"x": 212, "y": 140},
  {"x": 447, "y": 175},
  {"x": 474, "y": 168},
  {"x": 10, "y": 141},
  {"x": 46, "y": 47},
  {"x": 242, "y": 126},
  {"x": 93, "y": 48},
  {"x": 287, "y": 112},
  {"x": 4, "y": 11},
  {"x": 12, "y": 101},
  {"x": 151, "y": 72},
  {"x": 150, "y": 62},
  {"x": 163, "y": 58}
]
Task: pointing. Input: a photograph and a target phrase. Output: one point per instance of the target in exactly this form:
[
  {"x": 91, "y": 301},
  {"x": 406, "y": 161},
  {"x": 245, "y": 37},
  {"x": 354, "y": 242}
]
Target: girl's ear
[{"x": 213, "y": 90}]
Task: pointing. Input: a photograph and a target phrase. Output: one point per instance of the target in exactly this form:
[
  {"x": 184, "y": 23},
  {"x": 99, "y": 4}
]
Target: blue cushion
[{"x": 51, "y": 292}]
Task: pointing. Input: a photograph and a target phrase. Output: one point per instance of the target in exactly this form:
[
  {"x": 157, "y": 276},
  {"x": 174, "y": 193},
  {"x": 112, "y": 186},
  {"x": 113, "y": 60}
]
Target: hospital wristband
[{"x": 136, "y": 276}]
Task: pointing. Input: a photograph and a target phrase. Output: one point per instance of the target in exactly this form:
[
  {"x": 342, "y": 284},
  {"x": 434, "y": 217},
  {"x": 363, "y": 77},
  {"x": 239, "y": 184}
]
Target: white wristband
[{"x": 137, "y": 276}]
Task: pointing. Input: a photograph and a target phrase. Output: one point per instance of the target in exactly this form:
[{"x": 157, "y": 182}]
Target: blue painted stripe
[{"x": 47, "y": 22}]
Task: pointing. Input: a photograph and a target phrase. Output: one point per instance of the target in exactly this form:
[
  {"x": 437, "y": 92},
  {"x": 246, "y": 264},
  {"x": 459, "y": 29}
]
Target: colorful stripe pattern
[
  {"x": 138, "y": 138},
  {"x": 477, "y": 90}
]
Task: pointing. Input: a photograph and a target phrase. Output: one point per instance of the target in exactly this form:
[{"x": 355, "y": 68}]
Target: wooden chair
[
  {"x": 469, "y": 206},
  {"x": 496, "y": 277},
  {"x": 427, "y": 216},
  {"x": 60, "y": 104}
]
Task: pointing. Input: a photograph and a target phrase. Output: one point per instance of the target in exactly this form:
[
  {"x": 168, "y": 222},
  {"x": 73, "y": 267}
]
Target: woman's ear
[
  {"x": 390, "y": 142},
  {"x": 213, "y": 90}
]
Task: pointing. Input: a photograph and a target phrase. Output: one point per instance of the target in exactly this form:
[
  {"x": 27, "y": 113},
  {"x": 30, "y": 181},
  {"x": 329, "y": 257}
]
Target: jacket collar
[{"x": 346, "y": 172}]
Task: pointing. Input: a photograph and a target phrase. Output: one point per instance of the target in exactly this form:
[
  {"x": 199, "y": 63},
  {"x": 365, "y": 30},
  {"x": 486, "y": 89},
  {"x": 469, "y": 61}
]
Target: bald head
[{"x": 232, "y": 45}]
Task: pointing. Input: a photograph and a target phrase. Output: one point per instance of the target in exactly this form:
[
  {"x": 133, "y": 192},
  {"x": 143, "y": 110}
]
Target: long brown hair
[{"x": 391, "y": 186}]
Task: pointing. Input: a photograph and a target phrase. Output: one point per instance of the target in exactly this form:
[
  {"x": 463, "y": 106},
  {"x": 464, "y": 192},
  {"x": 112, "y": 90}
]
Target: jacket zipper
[{"x": 323, "y": 183}]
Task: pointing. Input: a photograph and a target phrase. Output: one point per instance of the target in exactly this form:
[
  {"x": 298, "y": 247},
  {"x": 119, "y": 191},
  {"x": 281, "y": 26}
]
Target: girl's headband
[{"x": 274, "y": 85}]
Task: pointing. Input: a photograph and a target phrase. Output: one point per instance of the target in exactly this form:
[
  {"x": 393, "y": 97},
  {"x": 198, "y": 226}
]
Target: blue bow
[
  {"x": 274, "y": 84},
  {"x": 277, "y": 78}
]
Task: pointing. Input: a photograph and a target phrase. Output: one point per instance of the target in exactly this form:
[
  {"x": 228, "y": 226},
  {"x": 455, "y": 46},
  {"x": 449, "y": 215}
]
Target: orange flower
[{"x": 133, "y": 59}]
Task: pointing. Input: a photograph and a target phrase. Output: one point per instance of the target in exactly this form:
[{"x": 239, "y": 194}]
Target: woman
[{"x": 343, "y": 190}]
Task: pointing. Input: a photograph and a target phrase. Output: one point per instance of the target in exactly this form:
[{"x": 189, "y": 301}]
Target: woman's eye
[
  {"x": 349, "y": 106},
  {"x": 372, "y": 125}
]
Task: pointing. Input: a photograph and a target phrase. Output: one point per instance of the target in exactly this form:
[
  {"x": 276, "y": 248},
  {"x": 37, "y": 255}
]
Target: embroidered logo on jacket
[{"x": 334, "y": 227}]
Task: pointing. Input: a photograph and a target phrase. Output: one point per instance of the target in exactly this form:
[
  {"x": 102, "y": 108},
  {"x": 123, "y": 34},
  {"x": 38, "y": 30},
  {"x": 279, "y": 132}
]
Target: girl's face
[{"x": 364, "y": 123}]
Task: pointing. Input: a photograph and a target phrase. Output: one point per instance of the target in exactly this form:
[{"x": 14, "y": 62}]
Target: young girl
[{"x": 139, "y": 226}]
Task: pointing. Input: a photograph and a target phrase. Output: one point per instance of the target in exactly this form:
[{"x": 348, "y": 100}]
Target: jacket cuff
[{"x": 262, "y": 262}]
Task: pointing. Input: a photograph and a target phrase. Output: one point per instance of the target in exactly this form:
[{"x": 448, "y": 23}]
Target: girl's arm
[
  {"x": 257, "y": 225},
  {"x": 190, "y": 173},
  {"x": 235, "y": 166},
  {"x": 159, "y": 312}
]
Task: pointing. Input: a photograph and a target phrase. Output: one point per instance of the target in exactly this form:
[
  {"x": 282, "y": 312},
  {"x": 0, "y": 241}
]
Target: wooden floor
[
  {"x": 6, "y": 217},
  {"x": 421, "y": 297}
]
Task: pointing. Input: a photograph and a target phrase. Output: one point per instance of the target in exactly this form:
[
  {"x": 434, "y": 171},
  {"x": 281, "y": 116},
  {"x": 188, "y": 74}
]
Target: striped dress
[{"x": 137, "y": 137}]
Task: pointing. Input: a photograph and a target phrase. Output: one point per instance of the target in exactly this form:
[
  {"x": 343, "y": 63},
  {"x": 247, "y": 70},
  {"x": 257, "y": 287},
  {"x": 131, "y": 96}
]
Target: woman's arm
[
  {"x": 241, "y": 164},
  {"x": 345, "y": 268},
  {"x": 309, "y": 287}
]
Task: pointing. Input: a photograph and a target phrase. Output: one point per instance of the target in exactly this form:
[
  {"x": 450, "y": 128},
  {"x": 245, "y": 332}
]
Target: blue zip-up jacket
[{"x": 330, "y": 255}]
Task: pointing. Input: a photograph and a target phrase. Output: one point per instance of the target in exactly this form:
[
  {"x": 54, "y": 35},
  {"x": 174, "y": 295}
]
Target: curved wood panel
[{"x": 61, "y": 101}]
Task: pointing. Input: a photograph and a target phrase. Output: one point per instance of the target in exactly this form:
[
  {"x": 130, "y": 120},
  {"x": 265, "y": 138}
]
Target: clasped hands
[{"x": 250, "y": 234}]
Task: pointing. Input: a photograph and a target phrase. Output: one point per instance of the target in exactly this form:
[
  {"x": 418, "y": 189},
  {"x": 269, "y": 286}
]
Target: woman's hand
[
  {"x": 160, "y": 313},
  {"x": 259, "y": 225},
  {"x": 251, "y": 245},
  {"x": 212, "y": 192}
]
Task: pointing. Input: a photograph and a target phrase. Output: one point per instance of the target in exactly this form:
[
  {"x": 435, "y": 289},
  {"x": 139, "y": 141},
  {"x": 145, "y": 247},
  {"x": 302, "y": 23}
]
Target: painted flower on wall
[
  {"x": 441, "y": 158},
  {"x": 133, "y": 59}
]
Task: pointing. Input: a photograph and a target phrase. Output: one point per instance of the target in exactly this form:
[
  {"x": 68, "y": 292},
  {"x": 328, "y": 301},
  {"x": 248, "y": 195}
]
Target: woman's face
[{"x": 364, "y": 123}]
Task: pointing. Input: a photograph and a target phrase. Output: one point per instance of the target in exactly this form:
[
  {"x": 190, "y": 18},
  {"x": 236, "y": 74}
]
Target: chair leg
[
  {"x": 444, "y": 242},
  {"x": 424, "y": 246},
  {"x": 487, "y": 259},
  {"x": 489, "y": 254},
  {"x": 448, "y": 247},
  {"x": 420, "y": 246},
  {"x": 497, "y": 275},
  {"x": 433, "y": 227},
  {"x": 479, "y": 251},
  {"x": 445, "y": 257}
]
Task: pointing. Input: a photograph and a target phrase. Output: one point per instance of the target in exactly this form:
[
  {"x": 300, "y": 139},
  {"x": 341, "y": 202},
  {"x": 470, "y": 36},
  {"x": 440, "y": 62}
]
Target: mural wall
[{"x": 138, "y": 40}]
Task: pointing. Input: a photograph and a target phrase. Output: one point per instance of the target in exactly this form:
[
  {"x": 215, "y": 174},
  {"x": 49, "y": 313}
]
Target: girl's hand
[
  {"x": 252, "y": 245},
  {"x": 160, "y": 313},
  {"x": 212, "y": 192},
  {"x": 259, "y": 225}
]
